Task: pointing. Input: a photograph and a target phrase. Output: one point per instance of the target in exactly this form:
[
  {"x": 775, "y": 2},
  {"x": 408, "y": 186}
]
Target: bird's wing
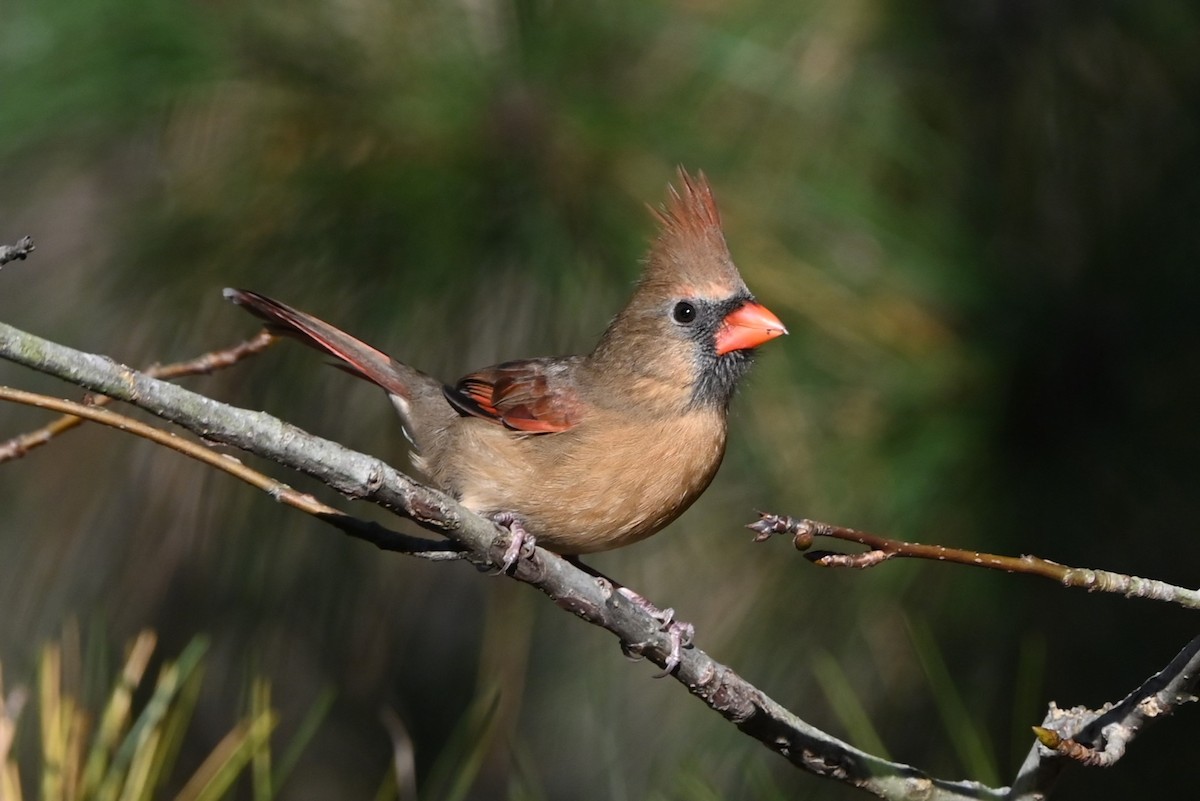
[{"x": 534, "y": 396}]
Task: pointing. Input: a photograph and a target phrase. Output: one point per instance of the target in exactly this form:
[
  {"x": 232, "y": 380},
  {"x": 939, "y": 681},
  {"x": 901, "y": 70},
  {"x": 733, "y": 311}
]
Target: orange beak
[{"x": 746, "y": 327}]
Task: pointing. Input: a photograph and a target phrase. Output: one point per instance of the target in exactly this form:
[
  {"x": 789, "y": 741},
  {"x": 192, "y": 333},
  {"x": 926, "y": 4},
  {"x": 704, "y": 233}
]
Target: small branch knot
[
  {"x": 16, "y": 252},
  {"x": 768, "y": 524}
]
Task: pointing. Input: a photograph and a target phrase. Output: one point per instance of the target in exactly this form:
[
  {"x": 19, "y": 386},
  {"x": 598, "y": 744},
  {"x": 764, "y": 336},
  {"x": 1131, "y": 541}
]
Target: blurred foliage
[
  {"x": 976, "y": 218},
  {"x": 128, "y": 751}
]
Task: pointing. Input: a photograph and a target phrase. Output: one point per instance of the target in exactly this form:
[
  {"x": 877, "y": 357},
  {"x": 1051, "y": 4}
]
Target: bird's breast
[{"x": 609, "y": 481}]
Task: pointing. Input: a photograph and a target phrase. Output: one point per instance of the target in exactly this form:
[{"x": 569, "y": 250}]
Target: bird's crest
[
  {"x": 690, "y": 211},
  {"x": 690, "y": 251}
]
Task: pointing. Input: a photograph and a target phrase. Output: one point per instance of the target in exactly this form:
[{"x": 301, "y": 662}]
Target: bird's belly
[{"x": 578, "y": 493}]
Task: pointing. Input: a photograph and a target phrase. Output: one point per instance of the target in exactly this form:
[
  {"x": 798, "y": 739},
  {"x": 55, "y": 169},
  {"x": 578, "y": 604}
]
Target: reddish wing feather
[
  {"x": 535, "y": 396},
  {"x": 481, "y": 392}
]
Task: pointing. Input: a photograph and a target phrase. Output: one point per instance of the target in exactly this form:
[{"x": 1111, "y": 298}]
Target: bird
[{"x": 584, "y": 453}]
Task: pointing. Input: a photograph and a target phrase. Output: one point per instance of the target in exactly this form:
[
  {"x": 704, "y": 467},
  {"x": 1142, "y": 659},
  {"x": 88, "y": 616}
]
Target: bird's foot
[
  {"x": 520, "y": 544},
  {"x": 680, "y": 634}
]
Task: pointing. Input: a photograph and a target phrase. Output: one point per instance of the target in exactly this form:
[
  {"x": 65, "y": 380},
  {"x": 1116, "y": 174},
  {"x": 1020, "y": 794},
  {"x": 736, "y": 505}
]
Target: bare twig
[
  {"x": 205, "y": 364},
  {"x": 380, "y": 536},
  {"x": 881, "y": 549},
  {"x": 1084, "y": 754},
  {"x": 16, "y": 252},
  {"x": 1100, "y": 737}
]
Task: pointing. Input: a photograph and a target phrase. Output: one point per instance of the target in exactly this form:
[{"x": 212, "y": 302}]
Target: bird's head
[{"x": 691, "y": 327}]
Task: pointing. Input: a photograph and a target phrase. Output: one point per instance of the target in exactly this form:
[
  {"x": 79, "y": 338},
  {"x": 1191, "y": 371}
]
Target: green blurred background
[{"x": 978, "y": 219}]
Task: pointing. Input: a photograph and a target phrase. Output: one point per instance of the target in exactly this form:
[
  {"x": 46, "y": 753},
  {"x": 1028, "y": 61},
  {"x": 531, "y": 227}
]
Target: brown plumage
[{"x": 586, "y": 453}]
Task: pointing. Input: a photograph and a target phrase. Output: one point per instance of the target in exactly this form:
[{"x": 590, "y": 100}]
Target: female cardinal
[{"x": 585, "y": 453}]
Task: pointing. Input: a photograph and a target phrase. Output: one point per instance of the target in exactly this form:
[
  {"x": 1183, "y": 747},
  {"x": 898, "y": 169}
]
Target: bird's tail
[
  {"x": 357, "y": 356},
  {"x": 417, "y": 396}
]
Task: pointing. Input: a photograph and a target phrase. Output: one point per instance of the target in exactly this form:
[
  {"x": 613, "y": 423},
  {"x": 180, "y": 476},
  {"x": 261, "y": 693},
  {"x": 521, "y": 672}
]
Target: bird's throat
[{"x": 718, "y": 378}]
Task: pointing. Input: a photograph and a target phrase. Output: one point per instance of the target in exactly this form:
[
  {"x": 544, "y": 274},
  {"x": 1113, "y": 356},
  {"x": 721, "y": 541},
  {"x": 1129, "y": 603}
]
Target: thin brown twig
[
  {"x": 205, "y": 364},
  {"x": 881, "y": 549},
  {"x": 384, "y": 538},
  {"x": 1073, "y": 749}
]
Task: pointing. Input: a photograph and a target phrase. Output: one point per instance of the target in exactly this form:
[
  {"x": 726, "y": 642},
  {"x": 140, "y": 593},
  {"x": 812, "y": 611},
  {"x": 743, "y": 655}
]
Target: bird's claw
[
  {"x": 679, "y": 633},
  {"x": 681, "y": 636},
  {"x": 521, "y": 543}
]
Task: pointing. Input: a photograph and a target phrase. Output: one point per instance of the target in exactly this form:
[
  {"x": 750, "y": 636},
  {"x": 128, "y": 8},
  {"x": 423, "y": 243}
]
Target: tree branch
[
  {"x": 18, "y": 446},
  {"x": 881, "y": 549},
  {"x": 380, "y": 536},
  {"x": 360, "y": 476},
  {"x": 1099, "y": 737}
]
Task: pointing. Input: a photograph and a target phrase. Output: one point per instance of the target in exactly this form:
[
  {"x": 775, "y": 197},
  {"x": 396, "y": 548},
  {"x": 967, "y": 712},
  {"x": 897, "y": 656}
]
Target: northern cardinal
[{"x": 585, "y": 453}]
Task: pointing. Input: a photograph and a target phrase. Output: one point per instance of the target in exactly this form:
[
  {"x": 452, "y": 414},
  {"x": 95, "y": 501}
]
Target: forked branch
[{"x": 205, "y": 364}]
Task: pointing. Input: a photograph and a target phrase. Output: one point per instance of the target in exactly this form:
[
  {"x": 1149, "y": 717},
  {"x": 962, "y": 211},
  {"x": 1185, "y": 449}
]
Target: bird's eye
[{"x": 684, "y": 312}]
